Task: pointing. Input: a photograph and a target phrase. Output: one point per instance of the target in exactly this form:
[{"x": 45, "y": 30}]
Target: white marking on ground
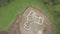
[
  {"x": 41, "y": 20},
  {"x": 40, "y": 32},
  {"x": 26, "y": 27},
  {"x": 30, "y": 13},
  {"x": 35, "y": 19}
]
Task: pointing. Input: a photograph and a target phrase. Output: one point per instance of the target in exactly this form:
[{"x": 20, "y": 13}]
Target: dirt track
[{"x": 18, "y": 25}]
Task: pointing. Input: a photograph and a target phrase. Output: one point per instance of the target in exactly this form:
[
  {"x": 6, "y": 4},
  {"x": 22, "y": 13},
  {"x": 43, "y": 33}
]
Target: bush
[
  {"x": 4, "y": 2},
  {"x": 55, "y": 2}
]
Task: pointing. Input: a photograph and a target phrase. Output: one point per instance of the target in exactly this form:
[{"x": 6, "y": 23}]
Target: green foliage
[
  {"x": 56, "y": 14},
  {"x": 51, "y": 2},
  {"x": 54, "y": 10},
  {"x": 55, "y": 2},
  {"x": 4, "y": 2}
]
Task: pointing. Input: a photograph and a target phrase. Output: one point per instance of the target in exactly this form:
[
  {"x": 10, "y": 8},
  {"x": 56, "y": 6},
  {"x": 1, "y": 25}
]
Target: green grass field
[{"x": 9, "y": 12}]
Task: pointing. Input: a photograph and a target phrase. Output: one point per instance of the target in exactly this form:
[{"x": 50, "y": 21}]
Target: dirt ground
[{"x": 18, "y": 25}]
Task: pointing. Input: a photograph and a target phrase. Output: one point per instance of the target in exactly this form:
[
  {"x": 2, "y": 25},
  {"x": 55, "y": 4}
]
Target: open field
[{"x": 9, "y": 12}]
